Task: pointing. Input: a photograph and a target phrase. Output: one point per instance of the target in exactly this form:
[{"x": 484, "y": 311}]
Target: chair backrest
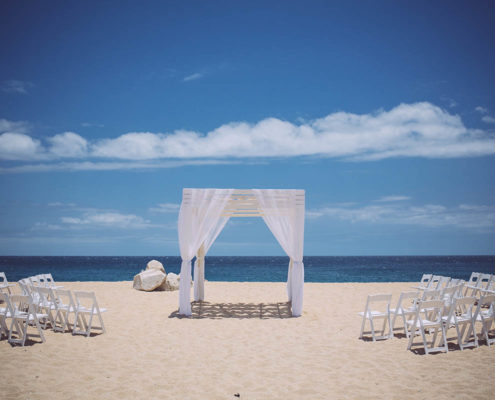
[
  {"x": 454, "y": 282},
  {"x": 425, "y": 278},
  {"x": 434, "y": 309},
  {"x": 34, "y": 280},
  {"x": 46, "y": 296},
  {"x": 20, "y": 302},
  {"x": 443, "y": 282},
  {"x": 88, "y": 300},
  {"x": 23, "y": 284},
  {"x": 5, "y": 298},
  {"x": 461, "y": 306},
  {"x": 49, "y": 282},
  {"x": 484, "y": 281},
  {"x": 433, "y": 283},
  {"x": 41, "y": 280},
  {"x": 473, "y": 278},
  {"x": 64, "y": 297},
  {"x": 483, "y": 303},
  {"x": 487, "y": 302},
  {"x": 406, "y": 296},
  {"x": 431, "y": 295},
  {"x": 3, "y": 278},
  {"x": 448, "y": 293}
]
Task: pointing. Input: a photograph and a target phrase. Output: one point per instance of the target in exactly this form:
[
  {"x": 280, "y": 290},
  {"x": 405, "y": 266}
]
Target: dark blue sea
[{"x": 253, "y": 269}]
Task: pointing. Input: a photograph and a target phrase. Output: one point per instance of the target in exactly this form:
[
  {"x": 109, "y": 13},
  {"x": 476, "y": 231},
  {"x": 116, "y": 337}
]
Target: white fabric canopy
[
  {"x": 285, "y": 218},
  {"x": 203, "y": 215},
  {"x": 199, "y": 215}
]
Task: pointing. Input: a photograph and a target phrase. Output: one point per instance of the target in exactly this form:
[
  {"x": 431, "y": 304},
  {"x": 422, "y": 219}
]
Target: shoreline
[{"x": 233, "y": 347}]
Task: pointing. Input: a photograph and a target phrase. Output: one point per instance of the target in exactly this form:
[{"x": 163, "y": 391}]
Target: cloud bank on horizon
[{"x": 407, "y": 130}]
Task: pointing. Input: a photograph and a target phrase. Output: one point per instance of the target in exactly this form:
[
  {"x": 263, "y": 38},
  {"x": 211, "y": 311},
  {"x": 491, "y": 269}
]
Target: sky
[{"x": 383, "y": 112}]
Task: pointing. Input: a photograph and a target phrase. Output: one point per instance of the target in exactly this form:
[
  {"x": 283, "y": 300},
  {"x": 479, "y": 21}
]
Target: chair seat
[
  {"x": 31, "y": 318},
  {"x": 426, "y": 323},
  {"x": 88, "y": 310},
  {"x": 400, "y": 311},
  {"x": 373, "y": 314},
  {"x": 484, "y": 315}
]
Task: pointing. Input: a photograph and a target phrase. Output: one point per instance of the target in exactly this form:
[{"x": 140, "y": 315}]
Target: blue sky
[{"x": 384, "y": 112}]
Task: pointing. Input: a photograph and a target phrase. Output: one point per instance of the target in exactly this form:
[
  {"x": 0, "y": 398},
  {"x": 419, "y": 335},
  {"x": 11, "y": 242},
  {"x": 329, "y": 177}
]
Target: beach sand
[{"x": 150, "y": 353}]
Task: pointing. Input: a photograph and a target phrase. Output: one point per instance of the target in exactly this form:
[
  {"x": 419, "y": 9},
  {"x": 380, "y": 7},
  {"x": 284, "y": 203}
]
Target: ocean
[{"x": 253, "y": 269}]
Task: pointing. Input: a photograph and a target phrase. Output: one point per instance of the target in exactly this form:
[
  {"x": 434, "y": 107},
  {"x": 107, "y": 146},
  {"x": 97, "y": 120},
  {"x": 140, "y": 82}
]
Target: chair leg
[
  {"x": 101, "y": 322},
  {"x": 88, "y": 330},
  {"x": 390, "y": 330},
  {"x": 373, "y": 329},
  {"x": 24, "y": 333},
  {"x": 40, "y": 332},
  {"x": 425, "y": 342}
]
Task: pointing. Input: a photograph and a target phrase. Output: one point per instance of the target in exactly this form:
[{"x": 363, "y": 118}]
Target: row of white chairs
[
  {"x": 39, "y": 306},
  {"x": 478, "y": 283},
  {"x": 433, "y": 310}
]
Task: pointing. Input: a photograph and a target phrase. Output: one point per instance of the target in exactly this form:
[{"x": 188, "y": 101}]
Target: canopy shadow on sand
[{"x": 205, "y": 309}]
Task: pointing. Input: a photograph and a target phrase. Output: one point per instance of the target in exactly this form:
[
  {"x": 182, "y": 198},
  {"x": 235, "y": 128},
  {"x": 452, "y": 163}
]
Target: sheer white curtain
[
  {"x": 199, "y": 217},
  {"x": 199, "y": 264},
  {"x": 283, "y": 212}
]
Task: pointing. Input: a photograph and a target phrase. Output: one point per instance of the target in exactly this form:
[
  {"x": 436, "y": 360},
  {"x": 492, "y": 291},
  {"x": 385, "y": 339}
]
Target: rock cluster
[{"x": 155, "y": 278}]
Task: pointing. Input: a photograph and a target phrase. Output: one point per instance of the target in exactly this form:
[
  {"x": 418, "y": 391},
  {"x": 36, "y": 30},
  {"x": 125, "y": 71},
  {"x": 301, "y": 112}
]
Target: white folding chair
[
  {"x": 428, "y": 317},
  {"x": 474, "y": 277},
  {"x": 65, "y": 307},
  {"x": 425, "y": 280},
  {"x": 4, "y": 283},
  {"x": 28, "y": 289},
  {"x": 443, "y": 282},
  {"x": 490, "y": 286},
  {"x": 86, "y": 305},
  {"x": 431, "y": 295},
  {"x": 433, "y": 283},
  {"x": 485, "y": 313},
  {"x": 482, "y": 284},
  {"x": 404, "y": 310},
  {"x": 34, "y": 280},
  {"x": 21, "y": 319},
  {"x": 47, "y": 305},
  {"x": 5, "y": 312},
  {"x": 372, "y": 315},
  {"x": 50, "y": 282},
  {"x": 461, "y": 315}
]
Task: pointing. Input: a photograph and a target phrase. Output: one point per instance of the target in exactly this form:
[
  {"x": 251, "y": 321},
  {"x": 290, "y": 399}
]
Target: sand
[{"x": 148, "y": 352}]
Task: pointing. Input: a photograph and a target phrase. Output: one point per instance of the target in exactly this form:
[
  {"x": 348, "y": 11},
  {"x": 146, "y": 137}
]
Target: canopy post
[{"x": 199, "y": 275}]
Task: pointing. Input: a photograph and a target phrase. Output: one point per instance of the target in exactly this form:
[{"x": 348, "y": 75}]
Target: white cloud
[
  {"x": 193, "y": 77},
  {"x": 166, "y": 208},
  {"x": 450, "y": 101},
  {"x": 68, "y": 144},
  {"x": 488, "y": 119},
  {"x": 393, "y": 198},
  {"x": 15, "y": 86},
  {"x": 109, "y": 220},
  {"x": 408, "y": 130},
  {"x": 473, "y": 217},
  {"x": 13, "y": 126},
  {"x": 481, "y": 110},
  {"x": 91, "y": 125},
  {"x": 109, "y": 166},
  {"x": 18, "y": 146}
]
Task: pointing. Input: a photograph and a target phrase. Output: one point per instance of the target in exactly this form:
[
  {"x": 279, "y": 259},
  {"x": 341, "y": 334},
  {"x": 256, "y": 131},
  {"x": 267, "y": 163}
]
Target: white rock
[
  {"x": 149, "y": 280},
  {"x": 154, "y": 264},
  {"x": 172, "y": 282}
]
